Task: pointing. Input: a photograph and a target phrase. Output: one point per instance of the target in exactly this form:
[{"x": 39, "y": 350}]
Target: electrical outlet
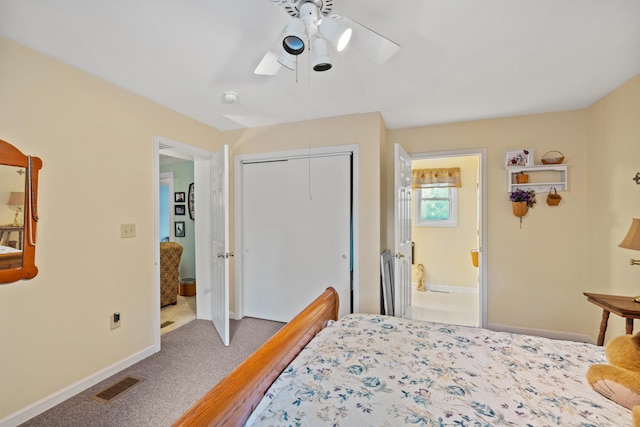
[
  {"x": 115, "y": 320},
  {"x": 127, "y": 230}
]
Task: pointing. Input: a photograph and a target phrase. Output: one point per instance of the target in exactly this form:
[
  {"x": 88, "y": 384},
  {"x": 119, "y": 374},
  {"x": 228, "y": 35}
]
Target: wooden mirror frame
[{"x": 11, "y": 156}]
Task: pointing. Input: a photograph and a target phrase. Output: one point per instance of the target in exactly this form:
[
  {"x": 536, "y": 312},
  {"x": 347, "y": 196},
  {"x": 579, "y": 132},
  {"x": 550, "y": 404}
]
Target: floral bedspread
[{"x": 367, "y": 370}]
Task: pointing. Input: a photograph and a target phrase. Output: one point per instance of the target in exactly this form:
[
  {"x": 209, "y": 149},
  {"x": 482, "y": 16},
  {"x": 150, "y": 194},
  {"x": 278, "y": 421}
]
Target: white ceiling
[{"x": 459, "y": 59}]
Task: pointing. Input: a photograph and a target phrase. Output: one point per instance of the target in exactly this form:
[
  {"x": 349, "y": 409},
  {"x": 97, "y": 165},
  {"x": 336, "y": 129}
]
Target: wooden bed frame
[{"x": 231, "y": 401}]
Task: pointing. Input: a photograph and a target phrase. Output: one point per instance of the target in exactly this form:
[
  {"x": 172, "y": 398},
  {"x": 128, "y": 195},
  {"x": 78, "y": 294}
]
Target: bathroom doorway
[{"x": 447, "y": 228}]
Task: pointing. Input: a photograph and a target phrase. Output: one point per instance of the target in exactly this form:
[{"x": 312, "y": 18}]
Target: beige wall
[
  {"x": 96, "y": 143},
  {"x": 614, "y": 198},
  {"x": 536, "y": 274},
  {"x": 363, "y": 130},
  {"x": 445, "y": 251},
  {"x": 385, "y": 190}
]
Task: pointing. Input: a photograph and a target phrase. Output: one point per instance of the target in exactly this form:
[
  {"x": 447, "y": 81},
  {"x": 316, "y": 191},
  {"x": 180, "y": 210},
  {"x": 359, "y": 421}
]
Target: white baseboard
[
  {"x": 449, "y": 288},
  {"x": 49, "y": 402},
  {"x": 556, "y": 335}
]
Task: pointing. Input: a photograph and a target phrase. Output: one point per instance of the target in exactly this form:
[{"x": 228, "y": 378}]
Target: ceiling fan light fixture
[
  {"x": 309, "y": 14},
  {"x": 287, "y": 60},
  {"x": 320, "y": 56},
  {"x": 335, "y": 32},
  {"x": 293, "y": 41}
]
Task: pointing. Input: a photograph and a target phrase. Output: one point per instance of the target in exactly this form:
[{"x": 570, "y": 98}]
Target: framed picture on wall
[
  {"x": 179, "y": 197},
  {"x": 179, "y": 231},
  {"x": 179, "y": 209},
  {"x": 519, "y": 158},
  {"x": 191, "y": 202}
]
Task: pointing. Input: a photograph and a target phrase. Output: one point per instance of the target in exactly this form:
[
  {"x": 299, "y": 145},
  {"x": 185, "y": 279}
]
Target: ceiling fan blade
[
  {"x": 269, "y": 66},
  {"x": 373, "y": 45}
]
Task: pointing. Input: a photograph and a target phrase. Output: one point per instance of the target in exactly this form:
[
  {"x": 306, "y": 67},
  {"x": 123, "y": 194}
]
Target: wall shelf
[{"x": 541, "y": 178}]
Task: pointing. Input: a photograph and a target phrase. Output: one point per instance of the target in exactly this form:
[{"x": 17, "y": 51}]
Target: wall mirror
[{"x": 18, "y": 213}]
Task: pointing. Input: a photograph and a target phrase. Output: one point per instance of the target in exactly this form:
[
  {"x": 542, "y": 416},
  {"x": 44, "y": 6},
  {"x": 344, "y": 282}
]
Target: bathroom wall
[{"x": 445, "y": 251}]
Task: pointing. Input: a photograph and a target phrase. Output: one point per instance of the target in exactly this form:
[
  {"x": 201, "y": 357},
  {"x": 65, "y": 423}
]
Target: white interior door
[
  {"x": 402, "y": 221},
  {"x": 220, "y": 243},
  {"x": 296, "y": 234}
]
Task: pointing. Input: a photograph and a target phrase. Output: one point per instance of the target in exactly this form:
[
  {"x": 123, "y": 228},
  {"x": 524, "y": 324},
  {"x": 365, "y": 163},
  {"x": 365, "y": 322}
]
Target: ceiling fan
[{"x": 311, "y": 26}]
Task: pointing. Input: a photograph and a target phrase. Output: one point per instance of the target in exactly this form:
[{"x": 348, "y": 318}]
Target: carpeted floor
[
  {"x": 192, "y": 360},
  {"x": 183, "y": 312}
]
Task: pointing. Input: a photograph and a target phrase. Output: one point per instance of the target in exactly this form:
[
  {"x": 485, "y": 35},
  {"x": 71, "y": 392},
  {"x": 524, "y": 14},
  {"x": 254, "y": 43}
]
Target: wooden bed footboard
[{"x": 232, "y": 400}]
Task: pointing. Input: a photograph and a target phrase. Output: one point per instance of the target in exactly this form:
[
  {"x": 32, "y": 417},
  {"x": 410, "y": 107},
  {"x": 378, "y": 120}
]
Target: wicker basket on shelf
[
  {"x": 553, "y": 199},
  {"x": 552, "y": 158}
]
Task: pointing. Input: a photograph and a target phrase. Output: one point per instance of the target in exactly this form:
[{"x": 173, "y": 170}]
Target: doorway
[
  {"x": 201, "y": 160},
  {"x": 177, "y": 173},
  {"x": 447, "y": 286}
]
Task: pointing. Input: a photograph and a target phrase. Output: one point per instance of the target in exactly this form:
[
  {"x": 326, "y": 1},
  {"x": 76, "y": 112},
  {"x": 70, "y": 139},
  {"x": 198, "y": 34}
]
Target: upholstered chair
[{"x": 170, "y": 254}]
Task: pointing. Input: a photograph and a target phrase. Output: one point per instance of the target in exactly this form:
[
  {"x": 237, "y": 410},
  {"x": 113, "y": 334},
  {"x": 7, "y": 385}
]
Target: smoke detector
[{"x": 229, "y": 97}]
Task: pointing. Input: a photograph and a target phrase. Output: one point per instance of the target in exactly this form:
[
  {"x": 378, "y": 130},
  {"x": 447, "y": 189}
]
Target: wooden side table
[{"x": 622, "y": 306}]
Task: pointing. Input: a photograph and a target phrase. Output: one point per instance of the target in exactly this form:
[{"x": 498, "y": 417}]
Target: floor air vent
[{"x": 110, "y": 393}]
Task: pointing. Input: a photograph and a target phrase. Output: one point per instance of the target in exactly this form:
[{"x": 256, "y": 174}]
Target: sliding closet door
[
  {"x": 296, "y": 234},
  {"x": 264, "y": 235},
  {"x": 319, "y": 229}
]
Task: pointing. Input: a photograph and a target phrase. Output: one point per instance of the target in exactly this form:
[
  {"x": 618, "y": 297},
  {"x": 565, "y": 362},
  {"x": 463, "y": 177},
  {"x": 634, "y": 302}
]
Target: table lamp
[
  {"x": 16, "y": 201},
  {"x": 632, "y": 241}
]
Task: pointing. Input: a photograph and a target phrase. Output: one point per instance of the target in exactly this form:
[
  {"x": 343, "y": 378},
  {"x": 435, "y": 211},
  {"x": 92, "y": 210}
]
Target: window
[{"x": 436, "y": 207}]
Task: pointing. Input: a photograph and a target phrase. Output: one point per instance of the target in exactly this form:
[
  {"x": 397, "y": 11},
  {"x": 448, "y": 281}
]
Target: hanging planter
[
  {"x": 521, "y": 201},
  {"x": 520, "y": 208}
]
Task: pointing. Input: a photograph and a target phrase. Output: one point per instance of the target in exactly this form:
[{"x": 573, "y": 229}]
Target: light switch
[{"x": 127, "y": 230}]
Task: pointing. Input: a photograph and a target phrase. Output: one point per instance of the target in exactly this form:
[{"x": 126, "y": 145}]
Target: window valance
[{"x": 439, "y": 177}]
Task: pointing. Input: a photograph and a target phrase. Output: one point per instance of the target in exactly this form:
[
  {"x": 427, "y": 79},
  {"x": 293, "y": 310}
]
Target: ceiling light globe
[
  {"x": 321, "y": 60},
  {"x": 335, "y": 32},
  {"x": 324, "y": 66},
  {"x": 293, "y": 45},
  {"x": 293, "y": 41},
  {"x": 344, "y": 39}
]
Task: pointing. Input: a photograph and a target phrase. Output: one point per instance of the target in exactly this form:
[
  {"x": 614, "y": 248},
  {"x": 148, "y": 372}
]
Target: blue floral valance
[{"x": 439, "y": 177}]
